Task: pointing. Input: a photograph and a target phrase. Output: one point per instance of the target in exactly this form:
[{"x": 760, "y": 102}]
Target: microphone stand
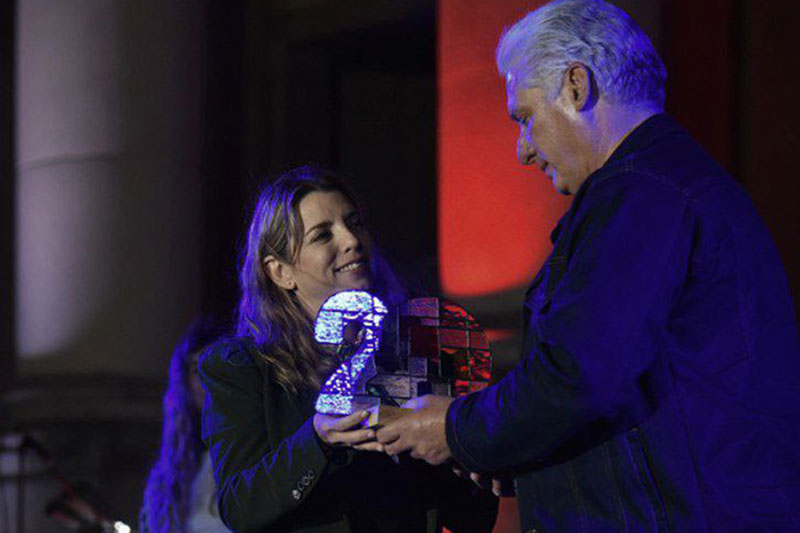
[{"x": 69, "y": 508}]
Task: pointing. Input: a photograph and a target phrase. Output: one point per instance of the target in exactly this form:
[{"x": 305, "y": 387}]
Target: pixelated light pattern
[
  {"x": 362, "y": 313},
  {"x": 425, "y": 346},
  {"x": 432, "y": 346}
]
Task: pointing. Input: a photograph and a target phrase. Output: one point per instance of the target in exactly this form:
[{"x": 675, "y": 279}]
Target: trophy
[{"x": 424, "y": 346}]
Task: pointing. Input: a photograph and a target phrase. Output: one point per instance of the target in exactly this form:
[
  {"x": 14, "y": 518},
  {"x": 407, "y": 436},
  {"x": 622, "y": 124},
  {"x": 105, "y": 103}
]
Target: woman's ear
[{"x": 279, "y": 272}]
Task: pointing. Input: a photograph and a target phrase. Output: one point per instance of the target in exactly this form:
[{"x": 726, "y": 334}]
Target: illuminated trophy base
[{"x": 424, "y": 346}]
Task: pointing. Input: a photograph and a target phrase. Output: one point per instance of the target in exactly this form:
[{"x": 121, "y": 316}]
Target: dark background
[{"x": 352, "y": 85}]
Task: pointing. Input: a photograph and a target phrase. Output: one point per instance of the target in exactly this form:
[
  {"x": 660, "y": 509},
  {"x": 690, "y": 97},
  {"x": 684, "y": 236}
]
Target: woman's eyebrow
[
  {"x": 328, "y": 223},
  {"x": 318, "y": 226}
]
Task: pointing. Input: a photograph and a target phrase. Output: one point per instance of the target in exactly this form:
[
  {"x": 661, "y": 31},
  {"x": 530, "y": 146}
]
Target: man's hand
[
  {"x": 341, "y": 431},
  {"x": 500, "y": 486},
  {"x": 421, "y": 431}
]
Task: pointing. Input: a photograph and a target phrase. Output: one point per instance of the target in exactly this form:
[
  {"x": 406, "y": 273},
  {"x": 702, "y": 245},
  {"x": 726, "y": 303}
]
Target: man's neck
[{"x": 615, "y": 123}]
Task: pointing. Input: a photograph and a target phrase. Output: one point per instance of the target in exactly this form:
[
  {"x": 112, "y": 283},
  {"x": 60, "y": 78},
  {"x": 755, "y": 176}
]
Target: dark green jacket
[{"x": 272, "y": 473}]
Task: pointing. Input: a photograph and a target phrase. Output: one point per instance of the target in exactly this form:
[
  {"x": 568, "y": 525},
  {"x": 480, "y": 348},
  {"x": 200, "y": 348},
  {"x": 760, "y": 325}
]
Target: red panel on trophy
[
  {"x": 423, "y": 341},
  {"x": 453, "y": 338}
]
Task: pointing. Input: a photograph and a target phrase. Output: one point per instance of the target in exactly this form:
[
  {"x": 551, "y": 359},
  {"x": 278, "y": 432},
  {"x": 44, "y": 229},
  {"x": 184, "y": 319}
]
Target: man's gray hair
[{"x": 539, "y": 47}]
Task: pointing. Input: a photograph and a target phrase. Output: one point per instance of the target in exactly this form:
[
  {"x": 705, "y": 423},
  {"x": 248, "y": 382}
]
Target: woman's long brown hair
[{"x": 273, "y": 317}]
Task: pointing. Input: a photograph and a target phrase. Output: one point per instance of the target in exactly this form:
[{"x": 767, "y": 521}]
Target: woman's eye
[
  {"x": 321, "y": 236},
  {"x": 355, "y": 223}
]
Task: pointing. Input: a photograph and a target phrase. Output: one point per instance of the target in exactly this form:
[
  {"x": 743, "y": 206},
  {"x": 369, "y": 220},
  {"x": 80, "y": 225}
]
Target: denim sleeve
[{"x": 592, "y": 339}]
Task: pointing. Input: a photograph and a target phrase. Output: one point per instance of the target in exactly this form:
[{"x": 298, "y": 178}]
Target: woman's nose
[{"x": 350, "y": 241}]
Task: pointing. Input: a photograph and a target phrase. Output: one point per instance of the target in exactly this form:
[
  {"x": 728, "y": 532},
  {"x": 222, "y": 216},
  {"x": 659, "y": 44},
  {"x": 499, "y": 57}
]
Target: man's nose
[{"x": 525, "y": 152}]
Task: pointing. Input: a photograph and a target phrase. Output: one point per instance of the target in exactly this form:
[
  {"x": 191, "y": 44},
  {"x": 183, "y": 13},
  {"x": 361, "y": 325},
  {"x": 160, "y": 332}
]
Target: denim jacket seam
[
  {"x": 690, "y": 195},
  {"x": 630, "y": 165}
]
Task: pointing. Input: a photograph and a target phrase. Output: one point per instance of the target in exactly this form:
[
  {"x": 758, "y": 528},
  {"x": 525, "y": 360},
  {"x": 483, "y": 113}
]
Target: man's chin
[{"x": 561, "y": 186}]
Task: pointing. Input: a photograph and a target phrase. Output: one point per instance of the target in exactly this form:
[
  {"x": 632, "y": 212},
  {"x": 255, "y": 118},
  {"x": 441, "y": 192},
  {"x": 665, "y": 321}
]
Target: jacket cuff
[
  {"x": 307, "y": 446},
  {"x": 332, "y": 458},
  {"x": 455, "y": 435}
]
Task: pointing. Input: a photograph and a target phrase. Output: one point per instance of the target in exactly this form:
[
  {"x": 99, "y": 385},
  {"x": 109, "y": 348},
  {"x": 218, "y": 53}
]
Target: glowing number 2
[{"x": 348, "y": 380}]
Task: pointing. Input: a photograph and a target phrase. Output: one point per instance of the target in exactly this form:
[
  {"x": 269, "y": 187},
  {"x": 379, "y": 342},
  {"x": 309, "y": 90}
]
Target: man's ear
[
  {"x": 279, "y": 272},
  {"x": 579, "y": 87}
]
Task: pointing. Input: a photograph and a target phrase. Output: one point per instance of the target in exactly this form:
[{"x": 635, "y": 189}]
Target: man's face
[{"x": 549, "y": 134}]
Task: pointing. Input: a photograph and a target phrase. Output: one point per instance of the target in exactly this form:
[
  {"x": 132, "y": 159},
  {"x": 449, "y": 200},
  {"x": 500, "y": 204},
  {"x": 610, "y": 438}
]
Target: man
[{"x": 659, "y": 381}]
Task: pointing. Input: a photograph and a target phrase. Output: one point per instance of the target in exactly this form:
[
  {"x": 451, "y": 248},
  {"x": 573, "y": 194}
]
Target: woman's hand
[{"x": 346, "y": 431}]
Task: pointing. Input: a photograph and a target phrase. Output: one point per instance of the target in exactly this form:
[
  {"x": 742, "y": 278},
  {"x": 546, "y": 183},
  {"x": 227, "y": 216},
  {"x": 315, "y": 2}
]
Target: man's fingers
[
  {"x": 497, "y": 487},
  {"x": 479, "y": 479},
  {"x": 388, "y": 433},
  {"x": 437, "y": 459},
  {"x": 396, "y": 447}
]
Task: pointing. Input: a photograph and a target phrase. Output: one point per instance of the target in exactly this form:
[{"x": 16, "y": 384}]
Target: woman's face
[{"x": 334, "y": 252}]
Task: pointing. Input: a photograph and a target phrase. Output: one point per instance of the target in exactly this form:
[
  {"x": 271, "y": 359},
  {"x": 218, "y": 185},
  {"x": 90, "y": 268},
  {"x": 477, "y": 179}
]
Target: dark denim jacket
[{"x": 659, "y": 383}]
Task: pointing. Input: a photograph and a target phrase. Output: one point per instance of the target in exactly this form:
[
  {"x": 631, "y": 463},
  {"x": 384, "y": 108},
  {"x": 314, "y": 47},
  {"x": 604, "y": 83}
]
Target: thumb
[{"x": 413, "y": 403}]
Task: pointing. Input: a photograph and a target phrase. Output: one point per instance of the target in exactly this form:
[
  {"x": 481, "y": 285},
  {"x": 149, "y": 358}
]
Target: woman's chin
[
  {"x": 356, "y": 280},
  {"x": 360, "y": 284}
]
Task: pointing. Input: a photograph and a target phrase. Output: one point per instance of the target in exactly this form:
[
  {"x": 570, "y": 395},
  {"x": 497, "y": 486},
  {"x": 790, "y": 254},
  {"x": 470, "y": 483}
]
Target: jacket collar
[
  {"x": 645, "y": 134},
  {"x": 649, "y": 132}
]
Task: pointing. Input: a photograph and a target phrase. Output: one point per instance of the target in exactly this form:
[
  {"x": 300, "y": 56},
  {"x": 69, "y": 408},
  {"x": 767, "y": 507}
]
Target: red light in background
[{"x": 494, "y": 215}]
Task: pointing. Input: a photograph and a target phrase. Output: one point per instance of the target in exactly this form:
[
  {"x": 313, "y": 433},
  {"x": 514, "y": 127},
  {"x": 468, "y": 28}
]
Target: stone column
[
  {"x": 109, "y": 240},
  {"x": 109, "y": 236}
]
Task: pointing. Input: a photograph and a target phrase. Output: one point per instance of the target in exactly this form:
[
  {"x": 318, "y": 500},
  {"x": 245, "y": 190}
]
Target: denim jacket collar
[{"x": 645, "y": 134}]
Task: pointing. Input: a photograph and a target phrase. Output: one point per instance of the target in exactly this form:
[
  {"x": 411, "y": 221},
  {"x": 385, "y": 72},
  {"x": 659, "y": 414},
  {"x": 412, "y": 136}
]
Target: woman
[
  {"x": 180, "y": 495},
  {"x": 279, "y": 465}
]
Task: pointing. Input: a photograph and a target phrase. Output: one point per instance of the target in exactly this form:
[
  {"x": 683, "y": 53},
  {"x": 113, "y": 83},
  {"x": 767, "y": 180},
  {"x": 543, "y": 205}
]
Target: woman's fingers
[
  {"x": 349, "y": 438},
  {"x": 372, "y": 446},
  {"x": 346, "y": 431},
  {"x": 324, "y": 424},
  {"x": 346, "y": 422}
]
